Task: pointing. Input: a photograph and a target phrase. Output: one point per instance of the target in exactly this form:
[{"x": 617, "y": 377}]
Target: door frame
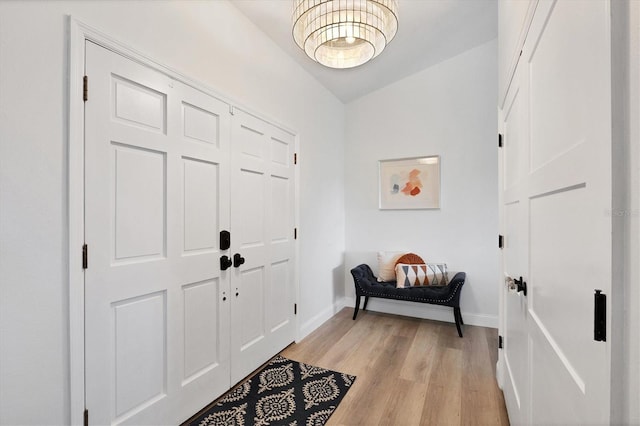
[{"x": 79, "y": 33}]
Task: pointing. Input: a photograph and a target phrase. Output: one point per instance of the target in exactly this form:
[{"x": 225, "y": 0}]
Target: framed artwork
[{"x": 409, "y": 183}]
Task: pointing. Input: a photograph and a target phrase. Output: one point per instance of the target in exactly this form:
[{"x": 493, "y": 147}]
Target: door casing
[{"x": 79, "y": 33}]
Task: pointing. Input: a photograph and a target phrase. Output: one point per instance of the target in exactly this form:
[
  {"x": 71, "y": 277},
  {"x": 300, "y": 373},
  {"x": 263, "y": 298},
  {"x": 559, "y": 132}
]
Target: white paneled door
[
  {"x": 556, "y": 205},
  {"x": 263, "y": 242},
  {"x": 158, "y": 191}
]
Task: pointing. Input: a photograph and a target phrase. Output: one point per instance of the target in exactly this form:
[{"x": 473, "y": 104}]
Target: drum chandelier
[{"x": 344, "y": 33}]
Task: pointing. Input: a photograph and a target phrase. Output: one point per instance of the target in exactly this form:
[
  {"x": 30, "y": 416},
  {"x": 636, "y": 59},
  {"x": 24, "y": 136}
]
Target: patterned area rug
[{"x": 285, "y": 392}]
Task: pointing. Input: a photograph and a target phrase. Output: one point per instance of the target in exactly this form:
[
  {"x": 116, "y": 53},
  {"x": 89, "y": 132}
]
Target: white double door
[
  {"x": 167, "y": 168},
  {"x": 556, "y": 203}
]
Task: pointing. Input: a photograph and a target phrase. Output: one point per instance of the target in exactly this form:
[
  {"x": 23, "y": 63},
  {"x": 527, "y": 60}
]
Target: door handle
[
  {"x": 237, "y": 260},
  {"x": 517, "y": 285},
  {"x": 521, "y": 286},
  {"x": 225, "y": 263}
]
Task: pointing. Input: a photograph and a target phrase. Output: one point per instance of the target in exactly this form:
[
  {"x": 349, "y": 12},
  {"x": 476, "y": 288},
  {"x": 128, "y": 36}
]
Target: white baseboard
[
  {"x": 396, "y": 307},
  {"x": 316, "y": 321},
  {"x": 425, "y": 311}
]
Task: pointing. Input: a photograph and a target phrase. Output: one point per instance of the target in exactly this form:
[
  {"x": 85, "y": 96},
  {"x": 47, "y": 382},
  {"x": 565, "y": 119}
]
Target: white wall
[
  {"x": 208, "y": 41},
  {"x": 447, "y": 110}
]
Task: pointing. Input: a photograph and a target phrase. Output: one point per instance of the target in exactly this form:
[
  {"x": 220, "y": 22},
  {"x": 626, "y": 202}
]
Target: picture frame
[{"x": 409, "y": 183}]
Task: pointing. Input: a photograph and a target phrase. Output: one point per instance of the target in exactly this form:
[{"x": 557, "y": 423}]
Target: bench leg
[
  {"x": 355, "y": 311},
  {"x": 366, "y": 300},
  {"x": 458, "y": 317}
]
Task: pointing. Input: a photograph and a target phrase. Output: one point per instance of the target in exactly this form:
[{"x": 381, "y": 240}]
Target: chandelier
[{"x": 344, "y": 33}]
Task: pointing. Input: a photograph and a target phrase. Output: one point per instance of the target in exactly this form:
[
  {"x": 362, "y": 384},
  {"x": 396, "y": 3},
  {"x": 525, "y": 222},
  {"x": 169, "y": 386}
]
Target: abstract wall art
[{"x": 409, "y": 183}]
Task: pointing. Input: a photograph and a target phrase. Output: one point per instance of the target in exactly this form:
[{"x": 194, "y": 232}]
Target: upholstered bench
[{"x": 367, "y": 285}]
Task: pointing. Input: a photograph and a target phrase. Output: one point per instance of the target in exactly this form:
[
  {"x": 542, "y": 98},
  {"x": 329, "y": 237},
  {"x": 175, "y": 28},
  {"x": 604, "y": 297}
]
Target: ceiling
[{"x": 429, "y": 31}]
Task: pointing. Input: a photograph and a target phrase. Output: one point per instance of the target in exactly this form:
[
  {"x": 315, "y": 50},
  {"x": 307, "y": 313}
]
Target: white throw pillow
[{"x": 387, "y": 265}]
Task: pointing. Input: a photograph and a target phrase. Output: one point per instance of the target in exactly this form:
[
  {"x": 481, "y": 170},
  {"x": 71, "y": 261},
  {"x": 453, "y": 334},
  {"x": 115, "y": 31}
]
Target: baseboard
[
  {"x": 426, "y": 311},
  {"x": 316, "y": 321}
]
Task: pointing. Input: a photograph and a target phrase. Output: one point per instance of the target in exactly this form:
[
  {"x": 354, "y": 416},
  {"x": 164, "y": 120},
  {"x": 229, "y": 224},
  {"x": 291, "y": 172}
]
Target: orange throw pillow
[{"x": 410, "y": 259}]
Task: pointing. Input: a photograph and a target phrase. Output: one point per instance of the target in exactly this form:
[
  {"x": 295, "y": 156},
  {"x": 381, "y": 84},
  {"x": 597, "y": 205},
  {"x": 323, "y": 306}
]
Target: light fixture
[{"x": 344, "y": 33}]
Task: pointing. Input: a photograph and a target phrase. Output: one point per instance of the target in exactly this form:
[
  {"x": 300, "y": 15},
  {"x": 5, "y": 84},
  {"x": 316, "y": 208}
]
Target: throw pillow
[
  {"x": 408, "y": 275},
  {"x": 437, "y": 273},
  {"x": 387, "y": 265},
  {"x": 411, "y": 259}
]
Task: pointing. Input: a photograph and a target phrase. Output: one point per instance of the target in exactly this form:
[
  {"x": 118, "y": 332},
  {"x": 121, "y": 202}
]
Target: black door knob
[
  {"x": 237, "y": 260},
  {"x": 521, "y": 285},
  {"x": 225, "y": 263}
]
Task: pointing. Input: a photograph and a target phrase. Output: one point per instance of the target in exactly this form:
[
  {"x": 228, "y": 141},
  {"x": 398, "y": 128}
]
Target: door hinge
[
  {"x": 600, "y": 316},
  {"x": 500, "y": 345},
  {"x": 85, "y": 256},
  {"x": 500, "y": 241},
  {"x": 295, "y": 158},
  {"x": 85, "y": 88},
  {"x": 295, "y": 309},
  {"x": 295, "y": 233},
  {"x": 86, "y": 417},
  {"x": 499, "y": 140}
]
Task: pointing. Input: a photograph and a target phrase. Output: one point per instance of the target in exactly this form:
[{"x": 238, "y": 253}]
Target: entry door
[
  {"x": 556, "y": 217},
  {"x": 263, "y": 236},
  {"x": 157, "y": 306}
]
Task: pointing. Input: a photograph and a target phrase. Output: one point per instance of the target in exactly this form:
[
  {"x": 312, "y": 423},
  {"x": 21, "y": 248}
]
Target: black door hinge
[
  {"x": 85, "y": 256},
  {"x": 85, "y": 88},
  {"x": 86, "y": 417},
  {"x": 499, "y": 140},
  {"x": 500, "y": 345},
  {"x": 500, "y": 241},
  {"x": 295, "y": 233},
  {"x": 295, "y": 158},
  {"x": 295, "y": 309},
  {"x": 600, "y": 316}
]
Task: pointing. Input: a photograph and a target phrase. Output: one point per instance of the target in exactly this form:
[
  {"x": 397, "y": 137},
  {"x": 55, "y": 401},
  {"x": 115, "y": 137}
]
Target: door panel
[
  {"x": 157, "y": 165},
  {"x": 554, "y": 211},
  {"x": 201, "y": 225},
  {"x": 201, "y": 336},
  {"x": 140, "y": 346},
  {"x": 139, "y": 191},
  {"x": 515, "y": 251},
  {"x": 262, "y": 215},
  {"x": 570, "y": 233}
]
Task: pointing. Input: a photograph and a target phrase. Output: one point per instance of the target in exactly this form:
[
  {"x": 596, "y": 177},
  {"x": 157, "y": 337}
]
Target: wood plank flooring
[{"x": 409, "y": 371}]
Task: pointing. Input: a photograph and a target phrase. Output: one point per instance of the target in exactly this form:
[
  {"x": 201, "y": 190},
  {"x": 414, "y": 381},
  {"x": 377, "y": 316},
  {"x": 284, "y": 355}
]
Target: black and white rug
[{"x": 284, "y": 392}]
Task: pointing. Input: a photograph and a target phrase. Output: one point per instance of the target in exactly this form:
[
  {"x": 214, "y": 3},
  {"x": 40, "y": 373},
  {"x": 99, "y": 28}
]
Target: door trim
[{"x": 79, "y": 33}]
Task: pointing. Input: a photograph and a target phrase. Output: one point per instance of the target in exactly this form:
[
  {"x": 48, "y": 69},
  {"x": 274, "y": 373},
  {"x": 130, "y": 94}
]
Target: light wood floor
[{"x": 409, "y": 371}]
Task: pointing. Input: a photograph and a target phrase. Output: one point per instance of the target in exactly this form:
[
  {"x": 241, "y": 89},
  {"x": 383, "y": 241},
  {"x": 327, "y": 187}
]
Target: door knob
[
  {"x": 237, "y": 260},
  {"x": 225, "y": 263},
  {"x": 511, "y": 285},
  {"x": 521, "y": 286},
  {"x": 518, "y": 285}
]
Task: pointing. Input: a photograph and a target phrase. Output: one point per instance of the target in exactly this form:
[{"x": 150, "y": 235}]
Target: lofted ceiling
[{"x": 429, "y": 32}]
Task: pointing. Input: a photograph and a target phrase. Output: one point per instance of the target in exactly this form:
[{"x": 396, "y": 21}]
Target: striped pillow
[
  {"x": 408, "y": 275},
  {"x": 437, "y": 273}
]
